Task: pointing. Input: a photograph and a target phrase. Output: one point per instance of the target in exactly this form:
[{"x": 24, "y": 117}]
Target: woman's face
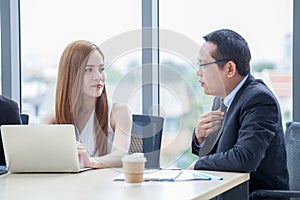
[{"x": 94, "y": 76}]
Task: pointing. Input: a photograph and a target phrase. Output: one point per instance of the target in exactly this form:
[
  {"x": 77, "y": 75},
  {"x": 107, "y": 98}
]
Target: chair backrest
[
  {"x": 292, "y": 140},
  {"x": 146, "y": 138},
  {"x": 24, "y": 118}
]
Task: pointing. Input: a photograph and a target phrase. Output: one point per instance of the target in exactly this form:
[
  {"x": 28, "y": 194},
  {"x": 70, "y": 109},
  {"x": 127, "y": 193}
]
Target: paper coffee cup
[{"x": 133, "y": 166}]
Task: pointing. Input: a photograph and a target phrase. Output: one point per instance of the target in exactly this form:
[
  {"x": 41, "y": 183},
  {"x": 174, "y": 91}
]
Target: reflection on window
[
  {"x": 47, "y": 28},
  {"x": 271, "y": 60}
]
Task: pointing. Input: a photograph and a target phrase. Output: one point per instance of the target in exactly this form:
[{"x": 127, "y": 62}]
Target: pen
[
  {"x": 212, "y": 177},
  {"x": 198, "y": 175}
]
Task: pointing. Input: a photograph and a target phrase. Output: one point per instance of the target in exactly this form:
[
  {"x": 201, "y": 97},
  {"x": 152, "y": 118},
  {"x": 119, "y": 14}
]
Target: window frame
[{"x": 10, "y": 42}]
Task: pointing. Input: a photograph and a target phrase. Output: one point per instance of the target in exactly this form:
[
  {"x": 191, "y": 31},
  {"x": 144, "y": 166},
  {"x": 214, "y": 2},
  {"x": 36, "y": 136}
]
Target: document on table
[
  {"x": 173, "y": 175},
  {"x": 3, "y": 169},
  {"x": 189, "y": 175}
]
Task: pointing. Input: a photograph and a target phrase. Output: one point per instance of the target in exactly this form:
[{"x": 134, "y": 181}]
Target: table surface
[{"x": 99, "y": 184}]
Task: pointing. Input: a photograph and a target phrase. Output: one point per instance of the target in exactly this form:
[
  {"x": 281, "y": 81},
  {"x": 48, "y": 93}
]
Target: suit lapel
[{"x": 212, "y": 140}]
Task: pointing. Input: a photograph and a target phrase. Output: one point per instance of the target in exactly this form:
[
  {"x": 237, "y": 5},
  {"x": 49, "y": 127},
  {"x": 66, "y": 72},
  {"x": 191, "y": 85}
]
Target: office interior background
[{"x": 151, "y": 50}]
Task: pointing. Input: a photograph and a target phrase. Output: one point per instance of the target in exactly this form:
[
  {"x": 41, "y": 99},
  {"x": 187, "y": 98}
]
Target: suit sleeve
[
  {"x": 259, "y": 122},
  {"x": 12, "y": 113},
  {"x": 195, "y": 146}
]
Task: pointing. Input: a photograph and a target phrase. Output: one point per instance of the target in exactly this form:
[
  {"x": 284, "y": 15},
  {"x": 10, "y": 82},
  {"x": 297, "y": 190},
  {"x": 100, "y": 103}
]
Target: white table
[{"x": 99, "y": 184}]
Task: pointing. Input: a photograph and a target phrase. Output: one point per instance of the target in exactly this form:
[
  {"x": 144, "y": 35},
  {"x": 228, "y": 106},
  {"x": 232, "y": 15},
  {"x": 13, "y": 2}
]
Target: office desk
[{"x": 99, "y": 184}]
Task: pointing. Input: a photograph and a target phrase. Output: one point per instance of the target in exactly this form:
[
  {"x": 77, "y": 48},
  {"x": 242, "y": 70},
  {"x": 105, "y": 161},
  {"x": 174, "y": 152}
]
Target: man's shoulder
[
  {"x": 6, "y": 102},
  {"x": 254, "y": 87},
  {"x": 9, "y": 111},
  {"x": 255, "y": 92}
]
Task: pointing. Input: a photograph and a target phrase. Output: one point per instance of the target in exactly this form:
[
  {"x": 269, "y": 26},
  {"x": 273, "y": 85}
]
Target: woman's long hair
[{"x": 69, "y": 95}]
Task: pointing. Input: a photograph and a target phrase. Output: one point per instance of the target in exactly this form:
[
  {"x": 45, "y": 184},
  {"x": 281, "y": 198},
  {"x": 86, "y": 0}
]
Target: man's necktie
[{"x": 212, "y": 138}]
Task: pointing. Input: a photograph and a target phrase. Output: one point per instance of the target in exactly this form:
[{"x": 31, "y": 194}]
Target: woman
[{"x": 103, "y": 128}]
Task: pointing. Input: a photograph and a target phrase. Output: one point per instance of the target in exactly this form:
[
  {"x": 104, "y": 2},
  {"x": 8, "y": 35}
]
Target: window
[
  {"x": 45, "y": 34},
  {"x": 0, "y": 66},
  {"x": 49, "y": 26}
]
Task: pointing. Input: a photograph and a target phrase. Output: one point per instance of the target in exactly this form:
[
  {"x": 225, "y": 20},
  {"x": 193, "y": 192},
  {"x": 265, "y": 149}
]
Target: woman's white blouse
[{"x": 87, "y": 134}]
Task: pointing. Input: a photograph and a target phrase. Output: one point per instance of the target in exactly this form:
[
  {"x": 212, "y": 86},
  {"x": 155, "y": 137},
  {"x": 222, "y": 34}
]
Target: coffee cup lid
[{"x": 135, "y": 157}]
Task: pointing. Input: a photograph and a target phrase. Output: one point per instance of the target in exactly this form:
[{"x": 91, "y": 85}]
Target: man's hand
[
  {"x": 192, "y": 166},
  {"x": 208, "y": 123}
]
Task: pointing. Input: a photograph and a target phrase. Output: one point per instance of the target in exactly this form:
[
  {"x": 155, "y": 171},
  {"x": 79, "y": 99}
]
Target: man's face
[{"x": 210, "y": 75}]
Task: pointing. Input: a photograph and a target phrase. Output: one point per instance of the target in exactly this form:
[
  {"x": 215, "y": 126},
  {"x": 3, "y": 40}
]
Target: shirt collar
[{"x": 229, "y": 98}]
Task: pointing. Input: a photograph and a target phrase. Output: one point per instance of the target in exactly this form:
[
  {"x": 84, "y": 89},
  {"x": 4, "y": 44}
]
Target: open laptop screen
[{"x": 40, "y": 148}]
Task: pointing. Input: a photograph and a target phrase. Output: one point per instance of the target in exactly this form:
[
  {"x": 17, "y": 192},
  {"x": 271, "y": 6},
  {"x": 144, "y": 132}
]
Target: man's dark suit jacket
[
  {"x": 9, "y": 114},
  {"x": 252, "y": 139}
]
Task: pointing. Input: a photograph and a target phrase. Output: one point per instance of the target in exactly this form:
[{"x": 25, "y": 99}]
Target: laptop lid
[{"x": 40, "y": 148}]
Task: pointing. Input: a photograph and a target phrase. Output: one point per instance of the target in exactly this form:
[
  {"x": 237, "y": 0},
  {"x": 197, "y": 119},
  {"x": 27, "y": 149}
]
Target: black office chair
[
  {"x": 292, "y": 142},
  {"x": 146, "y": 137},
  {"x": 24, "y": 118}
]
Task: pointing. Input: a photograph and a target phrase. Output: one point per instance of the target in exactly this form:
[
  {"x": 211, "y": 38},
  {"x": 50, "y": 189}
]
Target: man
[
  {"x": 9, "y": 114},
  {"x": 244, "y": 131}
]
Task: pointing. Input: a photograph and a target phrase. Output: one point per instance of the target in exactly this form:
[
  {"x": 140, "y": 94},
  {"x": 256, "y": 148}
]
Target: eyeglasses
[{"x": 209, "y": 63}]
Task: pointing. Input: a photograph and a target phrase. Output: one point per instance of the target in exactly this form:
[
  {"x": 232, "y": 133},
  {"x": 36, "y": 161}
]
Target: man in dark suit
[
  {"x": 243, "y": 132},
  {"x": 9, "y": 114}
]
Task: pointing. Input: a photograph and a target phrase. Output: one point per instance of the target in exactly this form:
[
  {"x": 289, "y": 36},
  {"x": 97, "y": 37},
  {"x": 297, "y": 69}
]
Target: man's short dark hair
[{"x": 231, "y": 46}]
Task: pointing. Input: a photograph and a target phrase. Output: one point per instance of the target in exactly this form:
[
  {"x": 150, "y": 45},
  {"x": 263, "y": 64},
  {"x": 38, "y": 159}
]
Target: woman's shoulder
[
  {"x": 120, "y": 115},
  {"x": 117, "y": 106},
  {"x": 49, "y": 118}
]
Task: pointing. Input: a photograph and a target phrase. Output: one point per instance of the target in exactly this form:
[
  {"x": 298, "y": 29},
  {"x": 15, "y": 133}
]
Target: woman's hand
[{"x": 84, "y": 159}]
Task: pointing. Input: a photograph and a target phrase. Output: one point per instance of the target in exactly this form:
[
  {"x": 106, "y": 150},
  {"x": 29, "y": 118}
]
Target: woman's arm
[
  {"x": 121, "y": 123},
  {"x": 49, "y": 118}
]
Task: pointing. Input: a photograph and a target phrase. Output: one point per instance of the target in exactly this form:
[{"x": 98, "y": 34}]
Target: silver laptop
[{"x": 40, "y": 148}]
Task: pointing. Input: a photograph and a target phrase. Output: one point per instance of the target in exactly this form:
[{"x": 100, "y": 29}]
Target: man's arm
[
  {"x": 195, "y": 146},
  {"x": 206, "y": 124},
  {"x": 259, "y": 123}
]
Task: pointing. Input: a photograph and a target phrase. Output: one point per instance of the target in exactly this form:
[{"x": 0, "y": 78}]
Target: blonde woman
[{"x": 103, "y": 128}]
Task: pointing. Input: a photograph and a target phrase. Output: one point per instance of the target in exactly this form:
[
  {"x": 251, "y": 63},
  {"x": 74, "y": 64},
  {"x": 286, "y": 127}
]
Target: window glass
[
  {"x": 48, "y": 26},
  {"x": 266, "y": 25},
  {"x": 0, "y": 63}
]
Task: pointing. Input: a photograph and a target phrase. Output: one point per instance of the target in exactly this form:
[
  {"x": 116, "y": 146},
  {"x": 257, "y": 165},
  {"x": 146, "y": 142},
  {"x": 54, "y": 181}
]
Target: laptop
[{"x": 40, "y": 148}]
